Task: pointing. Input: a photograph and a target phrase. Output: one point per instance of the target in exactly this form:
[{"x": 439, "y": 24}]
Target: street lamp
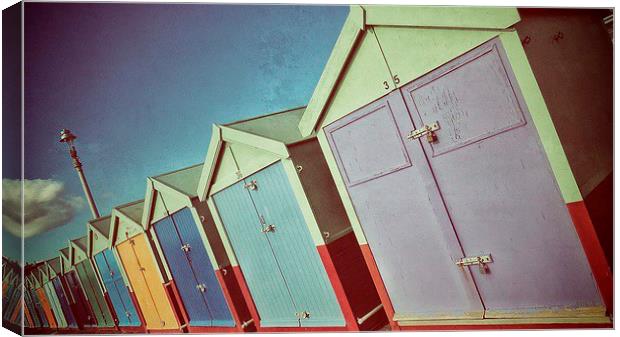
[{"x": 67, "y": 137}]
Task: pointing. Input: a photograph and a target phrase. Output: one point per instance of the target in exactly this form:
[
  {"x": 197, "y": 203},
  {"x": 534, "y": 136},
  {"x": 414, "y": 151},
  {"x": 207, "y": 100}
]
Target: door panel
[
  {"x": 498, "y": 186},
  {"x": 262, "y": 274},
  {"x": 39, "y": 308},
  {"x": 294, "y": 249},
  {"x": 185, "y": 280},
  {"x": 55, "y": 305},
  {"x": 131, "y": 313},
  {"x": 64, "y": 302},
  {"x": 84, "y": 311},
  {"x": 117, "y": 291},
  {"x": 95, "y": 294},
  {"x": 412, "y": 245},
  {"x": 45, "y": 306},
  {"x": 203, "y": 269},
  {"x": 142, "y": 273},
  {"x": 31, "y": 308}
]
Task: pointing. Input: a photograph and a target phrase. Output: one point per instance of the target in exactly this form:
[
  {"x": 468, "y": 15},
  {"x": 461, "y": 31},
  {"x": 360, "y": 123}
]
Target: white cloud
[{"x": 46, "y": 205}]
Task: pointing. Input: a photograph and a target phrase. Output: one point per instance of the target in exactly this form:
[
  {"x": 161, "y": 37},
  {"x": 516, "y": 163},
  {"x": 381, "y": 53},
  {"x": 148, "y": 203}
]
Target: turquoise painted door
[
  {"x": 117, "y": 290},
  {"x": 287, "y": 245},
  {"x": 294, "y": 249},
  {"x": 260, "y": 269}
]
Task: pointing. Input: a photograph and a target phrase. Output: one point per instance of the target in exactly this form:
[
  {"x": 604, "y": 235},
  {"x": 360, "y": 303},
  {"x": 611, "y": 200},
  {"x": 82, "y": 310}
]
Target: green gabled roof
[
  {"x": 184, "y": 180},
  {"x": 132, "y": 210},
  {"x": 102, "y": 225},
  {"x": 65, "y": 252},
  {"x": 281, "y": 126},
  {"x": 55, "y": 264},
  {"x": 81, "y": 242}
]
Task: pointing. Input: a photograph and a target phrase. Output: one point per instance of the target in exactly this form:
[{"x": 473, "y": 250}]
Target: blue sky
[{"x": 141, "y": 85}]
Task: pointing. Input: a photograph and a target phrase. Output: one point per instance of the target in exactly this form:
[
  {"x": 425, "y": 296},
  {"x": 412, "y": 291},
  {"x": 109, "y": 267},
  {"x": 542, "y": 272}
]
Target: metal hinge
[
  {"x": 427, "y": 130},
  {"x": 302, "y": 315},
  {"x": 251, "y": 185},
  {"x": 201, "y": 287},
  {"x": 481, "y": 261},
  {"x": 186, "y": 247}
]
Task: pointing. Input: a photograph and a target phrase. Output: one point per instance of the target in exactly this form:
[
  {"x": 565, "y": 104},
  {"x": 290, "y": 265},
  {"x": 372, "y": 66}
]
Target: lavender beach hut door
[
  {"x": 498, "y": 187},
  {"x": 480, "y": 187},
  {"x": 414, "y": 249}
]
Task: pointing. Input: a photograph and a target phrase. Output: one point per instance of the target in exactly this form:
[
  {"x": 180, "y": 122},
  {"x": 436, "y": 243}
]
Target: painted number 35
[{"x": 386, "y": 85}]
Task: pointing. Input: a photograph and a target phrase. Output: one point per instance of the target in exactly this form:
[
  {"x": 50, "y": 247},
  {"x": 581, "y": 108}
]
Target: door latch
[
  {"x": 481, "y": 261},
  {"x": 201, "y": 287},
  {"x": 427, "y": 130},
  {"x": 269, "y": 228},
  {"x": 251, "y": 185},
  {"x": 302, "y": 315},
  {"x": 186, "y": 247}
]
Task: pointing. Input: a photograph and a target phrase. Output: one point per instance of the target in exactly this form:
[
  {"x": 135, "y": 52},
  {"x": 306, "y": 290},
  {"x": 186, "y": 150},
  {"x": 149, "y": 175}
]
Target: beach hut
[
  {"x": 10, "y": 286},
  {"x": 116, "y": 291},
  {"x": 11, "y": 298},
  {"x": 134, "y": 248},
  {"x": 452, "y": 174},
  {"x": 44, "y": 303},
  {"x": 193, "y": 253},
  {"x": 50, "y": 294},
  {"x": 90, "y": 283},
  {"x": 35, "y": 321},
  {"x": 34, "y": 299},
  {"x": 82, "y": 310},
  {"x": 284, "y": 228},
  {"x": 54, "y": 270}
]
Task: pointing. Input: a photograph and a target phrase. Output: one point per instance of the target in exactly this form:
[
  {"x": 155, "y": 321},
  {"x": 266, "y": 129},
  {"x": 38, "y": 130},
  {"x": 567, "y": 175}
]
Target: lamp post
[{"x": 67, "y": 137}]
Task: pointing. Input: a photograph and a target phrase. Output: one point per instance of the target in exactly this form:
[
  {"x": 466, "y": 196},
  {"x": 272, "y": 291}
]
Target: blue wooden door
[
  {"x": 117, "y": 291},
  {"x": 199, "y": 262},
  {"x": 191, "y": 294},
  {"x": 261, "y": 271},
  {"x": 294, "y": 249},
  {"x": 31, "y": 307},
  {"x": 64, "y": 302}
]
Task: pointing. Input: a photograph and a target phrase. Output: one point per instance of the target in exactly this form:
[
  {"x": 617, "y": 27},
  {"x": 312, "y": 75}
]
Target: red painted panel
[
  {"x": 341, "y": 296},
  {"x": 234, "y": 298},
  {"x": 245, "y": 291},
  {"x": 600, "y": 204},
  {"x": 376, "y": 278},
  {"x": 357, "y": 282},
  {"x": 175, "y": 300},
  {"x": 593, "y": 250}
]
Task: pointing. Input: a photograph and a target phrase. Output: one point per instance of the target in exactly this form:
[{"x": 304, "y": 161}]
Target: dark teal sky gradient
[{"x": 141, "y": 84}]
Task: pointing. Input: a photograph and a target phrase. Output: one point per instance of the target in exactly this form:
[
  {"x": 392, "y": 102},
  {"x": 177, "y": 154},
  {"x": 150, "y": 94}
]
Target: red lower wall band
[{"x": 594, "y": 251}]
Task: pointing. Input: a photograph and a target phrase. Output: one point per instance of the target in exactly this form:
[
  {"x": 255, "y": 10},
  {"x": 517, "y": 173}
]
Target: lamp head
[{"x": 66, "y": 136}]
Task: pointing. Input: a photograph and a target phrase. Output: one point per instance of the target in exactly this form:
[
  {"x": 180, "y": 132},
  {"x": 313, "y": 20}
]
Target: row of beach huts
[{"x": 425, "y": 186}]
